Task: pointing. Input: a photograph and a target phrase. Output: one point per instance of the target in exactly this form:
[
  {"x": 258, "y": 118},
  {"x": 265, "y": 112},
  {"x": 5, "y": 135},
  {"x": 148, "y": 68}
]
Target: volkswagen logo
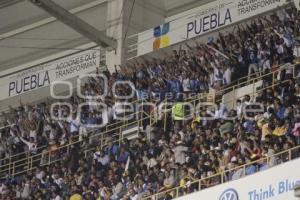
[{"x": 230, "y": 194}]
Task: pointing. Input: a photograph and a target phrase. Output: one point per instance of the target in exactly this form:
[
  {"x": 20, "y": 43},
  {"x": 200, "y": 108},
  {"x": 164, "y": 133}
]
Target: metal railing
[
  {"x": 24, "y": 162},
  {"x": 199, "y": 96},
  {"x": 225, "y": 176},
  {"x": 21, "y": 163},
  {"x": 161, "y": 114},
  {"x": 214, "y": 97},
  {"x": 244, "y": 82},
  {"x": 240, "y": 83},
  {"x": 107, "y": 127},
  {"x": 246, "y": 78}
]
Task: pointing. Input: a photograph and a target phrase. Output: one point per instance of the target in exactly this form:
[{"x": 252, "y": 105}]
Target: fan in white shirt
[
  {"x": 239, "y": 108},
  {"x": 74, "y": 124},
  {"x": 266, "y": 64},
  {"x": 32, "y": 146},
  {"x": 58, "y": 198},
  {"x": 227, "y": 76},
  {"x": 186, "y": 85},
  {"x": 296, "y": 51}
]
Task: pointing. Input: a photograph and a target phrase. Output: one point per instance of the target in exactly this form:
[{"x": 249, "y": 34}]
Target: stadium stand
[
  {"x": 176, "y": 152},
  {"x": 177, "y": 73}
]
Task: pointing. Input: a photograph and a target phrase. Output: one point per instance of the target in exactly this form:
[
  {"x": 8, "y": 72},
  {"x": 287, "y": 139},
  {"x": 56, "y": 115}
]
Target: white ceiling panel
[
  {"x": 48, "y": 39},
  {"x": 50, "y": 36},
  {"x": 24, "y": 13}
]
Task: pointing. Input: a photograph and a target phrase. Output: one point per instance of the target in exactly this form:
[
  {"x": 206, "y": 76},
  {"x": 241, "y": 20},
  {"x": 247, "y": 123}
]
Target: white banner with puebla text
[
  {"x": 209, "y": 17},
  {"x": 276, "y": 183},
  {"x": 45, "y": 74}
]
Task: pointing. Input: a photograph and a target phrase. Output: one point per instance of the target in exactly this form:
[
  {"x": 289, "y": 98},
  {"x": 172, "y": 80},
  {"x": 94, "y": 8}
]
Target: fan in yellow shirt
[
  {"x": 266, "y": 130},
  {"x": 281, "y": 128},
  {"x": 195, "y": 122},
  {"x": 76, "y": 197}
]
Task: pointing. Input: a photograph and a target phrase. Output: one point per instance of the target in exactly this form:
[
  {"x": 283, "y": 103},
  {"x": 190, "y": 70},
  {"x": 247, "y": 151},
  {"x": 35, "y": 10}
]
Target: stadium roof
[{"x": 28, "y": 33}]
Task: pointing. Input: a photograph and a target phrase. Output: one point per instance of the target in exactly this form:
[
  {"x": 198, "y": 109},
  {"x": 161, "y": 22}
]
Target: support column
[
  {"x": 75, "y": 23},
  {"x": 115, "y": 22},
  {"x": 125, "y": 19}
]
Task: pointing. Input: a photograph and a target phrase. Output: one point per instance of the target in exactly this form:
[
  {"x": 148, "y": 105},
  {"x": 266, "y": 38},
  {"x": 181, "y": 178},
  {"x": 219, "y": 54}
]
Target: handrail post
[
  {"x": 68, "y": 148},
  {"x": 165, "y": 116},
  {"x": 13, "y": 170},
  {"x": 120, "y": 136},
  {"x": 31, "y": 162},
  {"x": 124, "y": 117},
  {"x": 294, "y": 67},
  {"x": 253, "y": 88},
  {"x": 195, "y": 110},
  {"x": 273, "y": 78},
  {"x": 177, "y": 191},
  {"x": 9, "y": 168},
  {"x": 28, "y": 160},
  {"x": 140, "y": 122},
  {"x": 9, "y": 163},
  {"x": 199, "y": 185},
  {"x": 101, "y": 141},
  {"x": 142, "y": 113},
  {"x": 234, "y": 97},
  {"x": 49, "y": 157},
  {"x": 290, "y": 154},
  {"x": 222, "y": 177},
  {"x": 165, "y": 121}
]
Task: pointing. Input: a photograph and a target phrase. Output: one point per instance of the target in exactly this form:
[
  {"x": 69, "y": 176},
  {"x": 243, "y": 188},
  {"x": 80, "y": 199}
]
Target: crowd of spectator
[{"x": 186, "y": 150}]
